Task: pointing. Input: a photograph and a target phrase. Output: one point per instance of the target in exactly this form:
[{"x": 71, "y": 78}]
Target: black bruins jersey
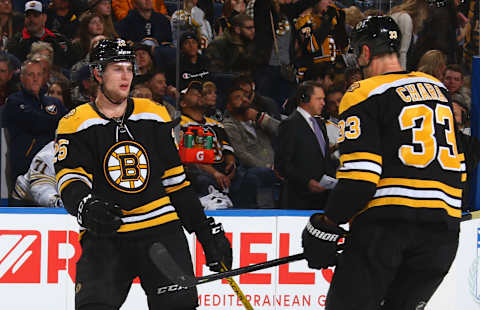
[
  {"x": 399, "y": 153},
  {"x": 221, "y": 144},
  {"x": 134, "y": 165}
]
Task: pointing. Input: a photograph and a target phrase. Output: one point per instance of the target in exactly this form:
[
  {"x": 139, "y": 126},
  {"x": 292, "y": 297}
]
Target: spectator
[
  {"x": 121, "y": 8},
  {"x": 209, "y": 98},
  {"x": 471, "y": 43},
  {"x": 256, "y": 101},
  {"x": 251, "y": 134},
  {"x": 7, "y": 85},
  {"x": 453, "y": 80},
  {"x": 84, "y": 88},
  {"x": 144, "y": 61},
  {"x": 34, "y": 31},
  {"x": 303, "y": 156},
  {"x": 52, "y": 72},
  {"x": 433, "y": 63},
  {"x": 143, "y": 21},
  {"x": 332, "y": 103},
  {"x": 103, "y": 8},
  {"x": 38, "y": 185},
  {"x": 192, "y": 66},
  {"x": 62, "y": 18},
  {"x": 191, "y": 19},
  {"x": 442, "y": 17},
  {"x": 231, "y": 8},
  {"x": 163, "y": 94},
  {"x": 461, "y": 112},
  {"x": 90, "y": 25},
  {"x": 141, "y": 91},
  {"x": 234, "y": 51},
  {"x": 30, "y": 119},
  {"x": 222, "y": 173},
  {"x": 409, "y": 16},
  {"x": 61, "y": 91},
  {"x": 11, "y": 22},
  {"x": 275, "y": 48}
]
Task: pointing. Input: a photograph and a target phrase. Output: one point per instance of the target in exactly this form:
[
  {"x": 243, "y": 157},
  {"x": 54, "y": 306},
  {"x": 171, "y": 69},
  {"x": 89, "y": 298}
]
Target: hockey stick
[
  {"x": 237, "y": 290},
  {"x": 165, "y": 263}
]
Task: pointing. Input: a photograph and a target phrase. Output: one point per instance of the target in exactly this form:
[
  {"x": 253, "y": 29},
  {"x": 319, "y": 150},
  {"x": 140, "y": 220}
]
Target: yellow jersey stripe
[
  {"x": 461, "y": 157},
  {"x": 173, "y": 171},
  {"x": 361, "y": 156},
  {"x": 65, "y": 184},
  {"x": 357, "y": 175},
  {"x": 78, "y": 170},
  {"x": 147, "y": 106},
  {"x": 414, "y": 203},
  {"x": 172, "y": 189},
  {"x": 463, "y": 177},
  {"x": 452, "y": 191},
  {"x": 149, "y": 206},
  {"x": 150, "y": 223},
  {"x": 80, "y": 118}
]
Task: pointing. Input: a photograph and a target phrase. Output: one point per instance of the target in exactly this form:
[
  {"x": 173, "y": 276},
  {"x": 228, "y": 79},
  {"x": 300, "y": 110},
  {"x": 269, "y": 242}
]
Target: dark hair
[
  {"x": 305, "y": 91},
  {"x": 240, "y": 19},
  {"x": 455, "y": 68},
  {"x": 334, "y": 89},
  {"x": 319, "y": 70},
  {"x": 4, "y": 58},
  {"x": 242, "y": 80}
]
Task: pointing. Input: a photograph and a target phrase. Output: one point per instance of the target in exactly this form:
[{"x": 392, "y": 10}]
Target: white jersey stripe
[
  {"x": 400, "y": 82},
  {"x": 418, "y": 194},
  {"x": 146, "y": 116},
  {"x": 174, "y": 180},
  {"x": 70, "y": 176},
  {"x": 362, "y": 165},
  {"x": 149, "y": 215}
]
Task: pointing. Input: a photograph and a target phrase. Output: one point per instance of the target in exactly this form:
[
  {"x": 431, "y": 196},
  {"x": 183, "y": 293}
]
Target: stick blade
[{"x": 162, "y": 259}]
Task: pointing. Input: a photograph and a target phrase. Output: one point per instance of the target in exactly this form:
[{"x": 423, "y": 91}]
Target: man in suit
[{"x": 303, "y": 156}]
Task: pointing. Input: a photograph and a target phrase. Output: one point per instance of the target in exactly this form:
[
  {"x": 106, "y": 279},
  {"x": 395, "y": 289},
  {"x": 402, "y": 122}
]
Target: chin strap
[{"x": 110, "y": 99}]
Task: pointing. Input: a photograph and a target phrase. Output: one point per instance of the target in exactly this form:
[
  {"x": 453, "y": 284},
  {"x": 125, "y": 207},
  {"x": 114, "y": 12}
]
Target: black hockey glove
[
  {"x": 215, "y": 245},
  {"x": 319, "y": 242},
  {"x": 101, "y": 217}
]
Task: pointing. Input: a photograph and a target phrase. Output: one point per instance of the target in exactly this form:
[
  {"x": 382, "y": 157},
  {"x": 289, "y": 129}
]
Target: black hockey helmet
[
  {"x": 380, "y": 33},
  {"x": 107, "y": 51}
]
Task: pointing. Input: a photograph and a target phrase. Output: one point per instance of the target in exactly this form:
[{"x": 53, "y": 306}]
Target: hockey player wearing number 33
[
  {"x": 118, "y": 171},
  {"x": 400, "y": 183}
]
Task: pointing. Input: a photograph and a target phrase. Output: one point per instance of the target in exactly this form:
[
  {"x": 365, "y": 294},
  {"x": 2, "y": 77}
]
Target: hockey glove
[
  {"x": 215, "y": 245},
  {"x": 100, "y": 217},
  {"x": 319, "y": 242}
]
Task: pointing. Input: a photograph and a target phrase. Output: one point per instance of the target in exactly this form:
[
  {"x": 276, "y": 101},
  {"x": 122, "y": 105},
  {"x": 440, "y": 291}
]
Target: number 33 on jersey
[{"x": 397, "y": 131}]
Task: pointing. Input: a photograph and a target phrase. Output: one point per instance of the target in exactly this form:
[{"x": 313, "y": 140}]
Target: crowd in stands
[{"x": 232, "y": 66}]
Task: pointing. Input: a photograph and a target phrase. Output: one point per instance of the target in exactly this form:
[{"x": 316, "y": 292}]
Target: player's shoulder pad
[
  {"x": 360, "y": 91},
  {"x": 146, "y": 109},
  {"x": 78, "y": 119}
]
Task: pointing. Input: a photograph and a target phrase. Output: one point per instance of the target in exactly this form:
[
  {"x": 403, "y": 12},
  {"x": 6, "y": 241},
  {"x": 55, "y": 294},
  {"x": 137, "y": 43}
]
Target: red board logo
[{"x": 20, "y": 254}]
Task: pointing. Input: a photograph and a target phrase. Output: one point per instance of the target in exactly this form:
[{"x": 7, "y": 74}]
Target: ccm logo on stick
[{"x": 20, "y": 252}]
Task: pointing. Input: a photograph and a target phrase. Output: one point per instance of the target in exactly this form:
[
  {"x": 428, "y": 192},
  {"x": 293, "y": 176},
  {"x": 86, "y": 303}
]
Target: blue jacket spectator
[
  {"x": 143, "y": 22},
  {"x": 30, "y": 119}
]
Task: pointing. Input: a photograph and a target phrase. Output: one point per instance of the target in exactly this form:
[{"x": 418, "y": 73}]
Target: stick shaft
[
  {"x": 251, "y": 268},
  {"x": 237, "y": 290}
]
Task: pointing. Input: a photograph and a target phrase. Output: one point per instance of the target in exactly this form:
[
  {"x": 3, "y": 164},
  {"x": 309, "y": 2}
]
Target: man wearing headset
[
  {"x": 118, "y": 171},
  {"x": 303, "y": 156}
]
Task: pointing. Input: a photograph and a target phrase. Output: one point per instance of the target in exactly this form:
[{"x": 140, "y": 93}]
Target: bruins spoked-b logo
[{"x": 126, "y": 167}]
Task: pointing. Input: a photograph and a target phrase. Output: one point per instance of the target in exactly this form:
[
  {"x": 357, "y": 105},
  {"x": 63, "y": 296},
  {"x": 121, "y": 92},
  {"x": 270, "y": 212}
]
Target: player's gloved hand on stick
[
  {"x": 319, "y": 242},
  {"x": 100, "y": 217},
  {"x": 215, "y": 244}
]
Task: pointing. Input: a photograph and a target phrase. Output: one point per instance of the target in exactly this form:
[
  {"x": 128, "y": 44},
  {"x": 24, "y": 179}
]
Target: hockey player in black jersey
[
  {"x": 400, "y": 184},
  {"x": 118, "y": 171}
]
